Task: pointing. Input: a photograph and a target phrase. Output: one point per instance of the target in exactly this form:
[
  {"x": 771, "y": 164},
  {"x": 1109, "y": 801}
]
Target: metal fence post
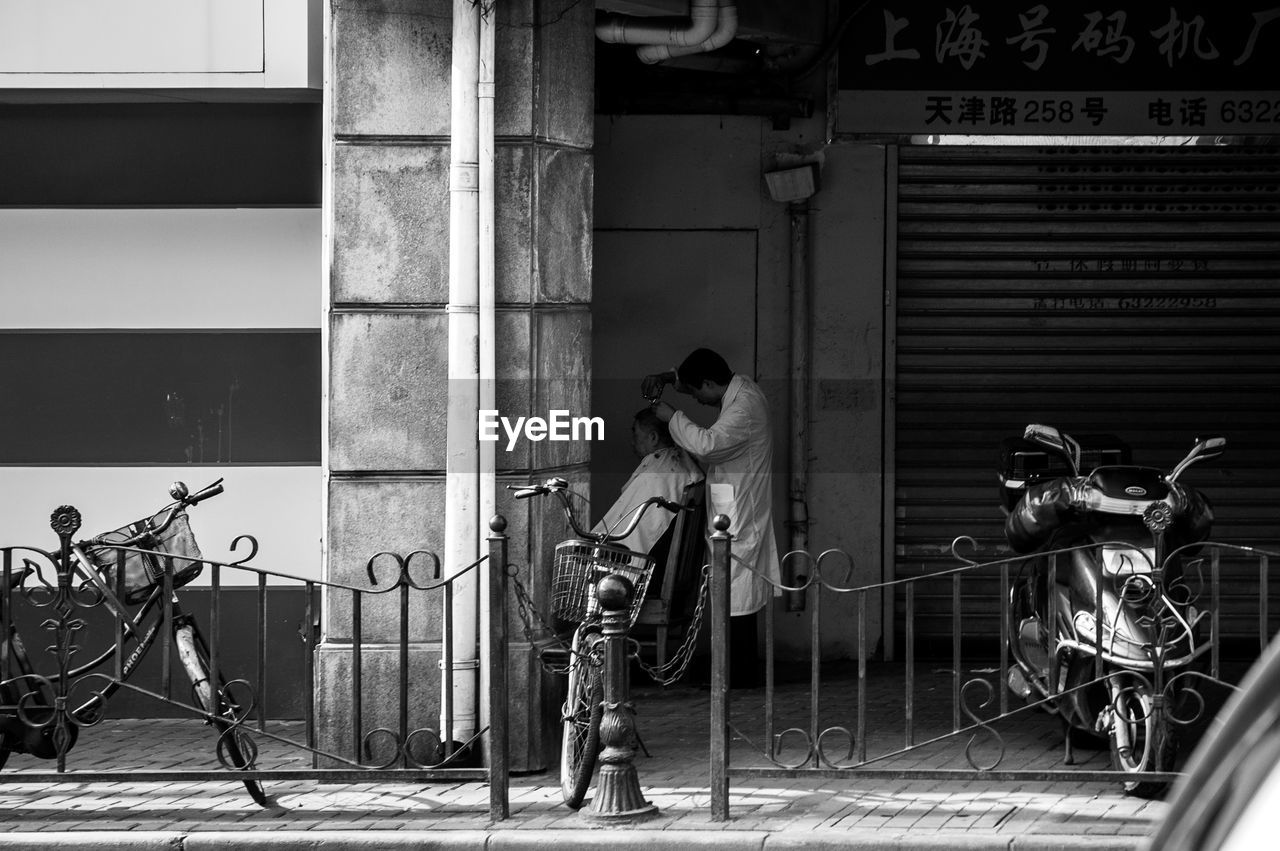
[
  {"x": 618, "y": 797},
  {"x": 720, "y": 551},
  {"x": 499, "y": 757}
]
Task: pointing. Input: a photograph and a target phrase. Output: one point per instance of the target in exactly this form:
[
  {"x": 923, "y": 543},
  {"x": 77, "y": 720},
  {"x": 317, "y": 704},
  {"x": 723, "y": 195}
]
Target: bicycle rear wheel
[
  {"x": 219, "y": 703},
  {"x": 583, "y": 708}
]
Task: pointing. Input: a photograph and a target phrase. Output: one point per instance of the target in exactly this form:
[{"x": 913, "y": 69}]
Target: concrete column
[{"x": 389, "y": 105}]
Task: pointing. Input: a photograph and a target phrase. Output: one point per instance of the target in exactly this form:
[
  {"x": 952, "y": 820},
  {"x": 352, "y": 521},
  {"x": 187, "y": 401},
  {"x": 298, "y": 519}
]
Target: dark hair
[
  {"x": 704, "y": 365},
  {"x": 649, "y": 421}
]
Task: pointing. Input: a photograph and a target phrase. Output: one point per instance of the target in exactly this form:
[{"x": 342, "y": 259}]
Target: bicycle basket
[
  {"x": 580, "y": 564},
  {"x": 145, "y": 571}
]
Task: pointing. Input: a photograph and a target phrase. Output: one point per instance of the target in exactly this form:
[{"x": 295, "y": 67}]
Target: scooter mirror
[
  {"x": 1209, "y": 447},
  {"x": 1050, "y": 438},
  {"x": 1204, "y": 449}
]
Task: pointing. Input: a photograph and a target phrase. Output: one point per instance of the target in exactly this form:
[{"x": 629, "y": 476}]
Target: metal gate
[
  {"x": 70, "y": 639},
  {"x": 949, "y": 718},
  {"x": 1130, "y": 291}
]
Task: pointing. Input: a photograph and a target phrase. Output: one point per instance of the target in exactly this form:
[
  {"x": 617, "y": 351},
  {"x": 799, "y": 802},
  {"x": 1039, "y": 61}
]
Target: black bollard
[{"x": 617, "y": 798}]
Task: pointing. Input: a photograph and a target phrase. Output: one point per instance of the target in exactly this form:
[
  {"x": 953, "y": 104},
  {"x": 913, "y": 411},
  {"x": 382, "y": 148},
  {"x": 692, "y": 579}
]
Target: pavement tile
[{"x": 765, "y": 812}]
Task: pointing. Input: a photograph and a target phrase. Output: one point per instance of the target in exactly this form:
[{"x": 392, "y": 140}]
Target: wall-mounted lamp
[{"x": 793, "y": 184}]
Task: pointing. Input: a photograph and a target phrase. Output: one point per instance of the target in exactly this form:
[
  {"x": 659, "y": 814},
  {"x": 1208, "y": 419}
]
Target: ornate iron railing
[
  {"x": 980, "y": 710},
  {"x": 51, "y": 690}
]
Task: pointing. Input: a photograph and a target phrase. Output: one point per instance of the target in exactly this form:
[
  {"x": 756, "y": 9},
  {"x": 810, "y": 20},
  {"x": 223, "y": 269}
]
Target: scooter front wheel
[{"x": 1140, "y": 740}]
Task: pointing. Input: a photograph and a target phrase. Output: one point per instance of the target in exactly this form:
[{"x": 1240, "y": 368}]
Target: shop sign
[{"x": 1079, "y": 67}]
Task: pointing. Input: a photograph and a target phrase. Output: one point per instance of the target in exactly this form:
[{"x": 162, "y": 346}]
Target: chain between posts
[
  {"x": 679, "y": 662},
  {"x": 684, "y": 655}
]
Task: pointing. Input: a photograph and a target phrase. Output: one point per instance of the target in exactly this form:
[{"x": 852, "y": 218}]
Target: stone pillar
[{"x": 388, "y": 167}]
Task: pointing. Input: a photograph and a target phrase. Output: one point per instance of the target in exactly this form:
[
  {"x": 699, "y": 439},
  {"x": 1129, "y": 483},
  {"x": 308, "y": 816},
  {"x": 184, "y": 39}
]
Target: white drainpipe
[
  {"x": 488, "y": 330},
  {"x": 462, "y": 455},
  {"x": 684, "y": 32},
  {"x": 726, "y": 29}
]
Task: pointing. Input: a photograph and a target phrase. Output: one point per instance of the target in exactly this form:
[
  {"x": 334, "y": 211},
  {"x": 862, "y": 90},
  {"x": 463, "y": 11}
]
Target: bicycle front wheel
[
  {"x": 219, "y": 704},
  {"x": 583, "y": 708}
]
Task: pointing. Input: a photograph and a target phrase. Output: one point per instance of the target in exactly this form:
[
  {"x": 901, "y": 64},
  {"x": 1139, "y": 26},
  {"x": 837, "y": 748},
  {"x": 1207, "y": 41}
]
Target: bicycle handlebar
[
  {"x": 182, "y": 497},
  {"x": 560, "y": 488}
]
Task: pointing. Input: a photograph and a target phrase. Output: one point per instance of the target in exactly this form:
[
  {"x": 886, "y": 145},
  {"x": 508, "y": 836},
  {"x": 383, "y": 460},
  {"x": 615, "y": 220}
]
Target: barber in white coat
[{"x": 737, "y": 454}]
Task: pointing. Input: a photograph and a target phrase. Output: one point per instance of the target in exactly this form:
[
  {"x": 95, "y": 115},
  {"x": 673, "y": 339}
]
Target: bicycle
[
  {"x": 119, "y": 569},
  {"x": 580, "y": 563}
]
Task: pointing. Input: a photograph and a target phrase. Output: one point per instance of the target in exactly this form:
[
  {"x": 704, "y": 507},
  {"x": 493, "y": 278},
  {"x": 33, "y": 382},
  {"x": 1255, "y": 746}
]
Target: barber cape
[
  {"x": 664, "y": 472},
  {"x": 737, "y": 452}
]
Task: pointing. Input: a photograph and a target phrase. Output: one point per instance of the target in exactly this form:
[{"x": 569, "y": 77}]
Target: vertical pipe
[
  {"x": 487, "y": 319},
  {"x": 494, "y": 652},
  {"x": 799, "y": 442},
  {"x": 462, "y": 456},
  {"x": 485, "y": 90},
  {"x": 719, "y": 744}
]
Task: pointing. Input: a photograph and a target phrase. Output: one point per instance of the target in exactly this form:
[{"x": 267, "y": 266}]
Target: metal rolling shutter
[{"x": 1132, "y": 291}]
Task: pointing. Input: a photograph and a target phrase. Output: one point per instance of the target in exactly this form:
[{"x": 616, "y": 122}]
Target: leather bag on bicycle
[{"x": 144, "y": 571}]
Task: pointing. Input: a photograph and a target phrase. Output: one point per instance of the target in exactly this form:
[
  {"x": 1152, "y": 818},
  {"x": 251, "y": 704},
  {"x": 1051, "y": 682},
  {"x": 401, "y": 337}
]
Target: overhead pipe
[
  {"x": 462, "y": 444},
  {"x": 726, "y": 29},
  {"x": 683, "y": 32}
]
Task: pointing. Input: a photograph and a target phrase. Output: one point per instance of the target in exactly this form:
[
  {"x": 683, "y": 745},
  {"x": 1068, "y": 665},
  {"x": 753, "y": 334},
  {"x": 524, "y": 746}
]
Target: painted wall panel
[
  {"x": 130, "y": 36},
  {"x": 280, "y": 506},
  {"x": 678, "y": 172},
  {"x": 246, "y": 268}
]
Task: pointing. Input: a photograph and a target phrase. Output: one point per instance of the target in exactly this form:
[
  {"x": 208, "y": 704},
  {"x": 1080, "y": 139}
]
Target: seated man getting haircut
[{"x": 665, "y": 470}]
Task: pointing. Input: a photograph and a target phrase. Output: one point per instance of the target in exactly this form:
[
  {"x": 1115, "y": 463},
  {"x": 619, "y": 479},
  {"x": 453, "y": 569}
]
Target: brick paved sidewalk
[{"x": 765, "y": 813}]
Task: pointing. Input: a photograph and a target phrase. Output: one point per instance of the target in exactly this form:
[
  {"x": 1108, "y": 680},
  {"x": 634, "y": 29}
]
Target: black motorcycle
[{"x": 1103, "y": 617}]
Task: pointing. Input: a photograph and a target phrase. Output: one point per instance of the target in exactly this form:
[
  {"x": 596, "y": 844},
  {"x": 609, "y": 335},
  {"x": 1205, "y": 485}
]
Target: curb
[{"x": 562, "y": 840}]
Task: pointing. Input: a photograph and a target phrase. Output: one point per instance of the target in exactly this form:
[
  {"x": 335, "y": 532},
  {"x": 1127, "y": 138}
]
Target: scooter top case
[{"x": 1023, "y": 463}]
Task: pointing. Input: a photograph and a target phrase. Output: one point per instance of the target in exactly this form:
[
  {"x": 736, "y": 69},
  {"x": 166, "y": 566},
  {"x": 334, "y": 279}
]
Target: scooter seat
[{"x": 1139, "y": 484}]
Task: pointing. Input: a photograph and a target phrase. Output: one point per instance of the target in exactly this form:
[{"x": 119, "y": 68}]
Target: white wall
[
  {"x": 165, "y": 269},
  {"x": 150, "y": 44},
  {"x": 184, "y": 268},
  {"x": 279, "y": 506}
]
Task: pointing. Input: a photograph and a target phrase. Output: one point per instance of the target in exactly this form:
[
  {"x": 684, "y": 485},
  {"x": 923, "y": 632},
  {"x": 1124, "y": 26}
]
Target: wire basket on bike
[
  {"x": 580, "y": 565},
  {"x": 144, "y": 571}
]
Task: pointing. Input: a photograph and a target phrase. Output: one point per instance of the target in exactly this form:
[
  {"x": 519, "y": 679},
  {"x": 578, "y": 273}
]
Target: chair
[{"x": 669, "y": 611}]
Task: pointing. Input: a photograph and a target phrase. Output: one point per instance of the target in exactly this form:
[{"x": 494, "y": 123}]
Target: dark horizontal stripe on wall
[
  {"x": 239, "y": 632},
  {"x": 181, "y": 154},
  {"x": 174, "y": 397}
]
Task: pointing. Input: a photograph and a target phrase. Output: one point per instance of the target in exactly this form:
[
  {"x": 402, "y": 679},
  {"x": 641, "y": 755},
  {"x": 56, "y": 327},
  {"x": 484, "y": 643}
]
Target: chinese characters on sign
[{"x": 1071, "y": 66}]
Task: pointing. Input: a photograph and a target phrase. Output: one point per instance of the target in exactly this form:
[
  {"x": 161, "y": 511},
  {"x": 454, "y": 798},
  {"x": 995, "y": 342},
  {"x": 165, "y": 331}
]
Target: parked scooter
[{"x": 1111, "y": 547}]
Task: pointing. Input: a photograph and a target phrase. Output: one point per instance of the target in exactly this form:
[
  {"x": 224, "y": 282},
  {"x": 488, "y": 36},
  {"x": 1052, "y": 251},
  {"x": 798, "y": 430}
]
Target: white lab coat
[
  {"x": 737, "y": 453},
  {"x": 664, "y": 472}
]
